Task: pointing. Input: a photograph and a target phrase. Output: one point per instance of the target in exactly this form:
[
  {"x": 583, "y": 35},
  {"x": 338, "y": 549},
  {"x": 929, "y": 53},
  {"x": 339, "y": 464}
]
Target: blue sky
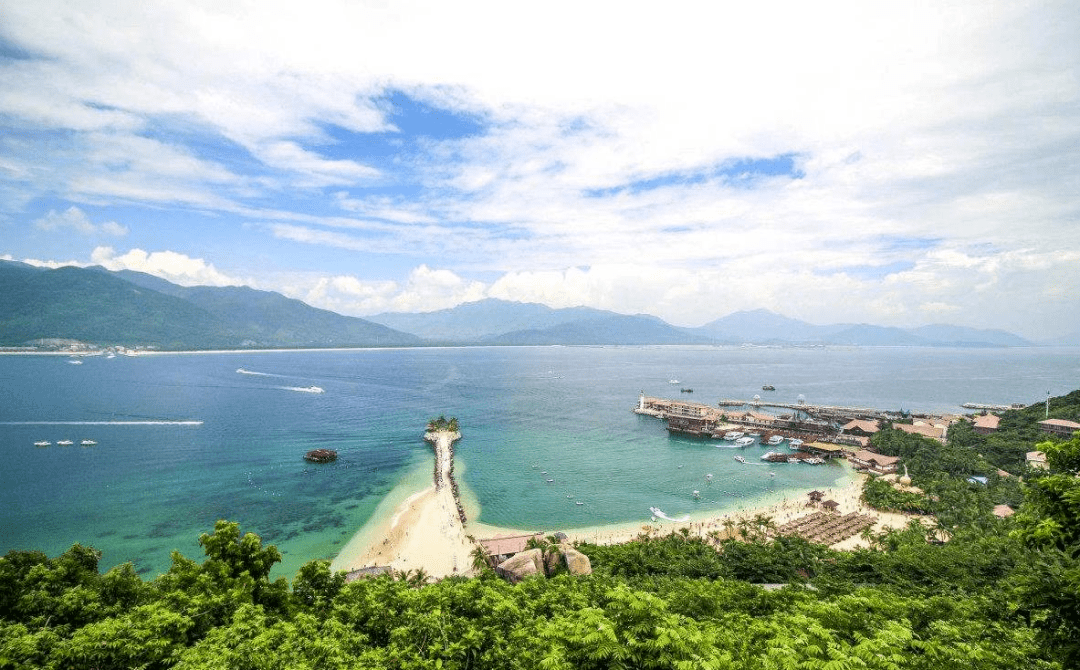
[{"x": 905, "y": 164}]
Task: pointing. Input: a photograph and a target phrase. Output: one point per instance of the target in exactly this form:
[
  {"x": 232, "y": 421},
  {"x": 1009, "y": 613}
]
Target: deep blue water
[{"x": 149, "y": 487}]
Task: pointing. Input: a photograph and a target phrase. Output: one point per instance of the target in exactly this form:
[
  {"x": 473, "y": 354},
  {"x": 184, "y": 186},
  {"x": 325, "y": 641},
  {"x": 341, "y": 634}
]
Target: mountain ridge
[{"x": 129, "y": 308}]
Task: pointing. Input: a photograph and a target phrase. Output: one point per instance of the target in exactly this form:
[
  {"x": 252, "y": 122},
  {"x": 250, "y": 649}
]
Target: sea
[{"x": 182, "y": 440}]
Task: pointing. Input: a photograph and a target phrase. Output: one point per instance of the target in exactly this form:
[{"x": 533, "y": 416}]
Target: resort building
[
  {"x": 876, "y": 463},
  {"x": 1059, "y": 427},
  {"x": 936, "y": 432},
  {"x": 860, "y": 427},
  {"x": 1036, "y": 459},
  {"x": 986, "y": 424},
  {"x": 502, "y": 548},
  {"x": 824, "y": 450}
]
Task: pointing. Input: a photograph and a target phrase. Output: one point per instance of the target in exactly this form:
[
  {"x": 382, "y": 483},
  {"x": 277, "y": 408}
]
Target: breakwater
[{"x": 442, "y": 442}]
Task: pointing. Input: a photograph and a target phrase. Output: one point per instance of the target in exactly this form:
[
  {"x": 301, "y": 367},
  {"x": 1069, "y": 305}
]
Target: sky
[{"x": 892, "y": 163}]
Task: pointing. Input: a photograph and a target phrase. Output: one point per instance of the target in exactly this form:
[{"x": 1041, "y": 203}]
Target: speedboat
[
  {"x": 768, "y": 387},
  {"x": 673, "y": 381},
  {"x": 740, "y": 459},
  {"x": 776, "y": 439},
  {"x": 42, "y": 443},
  {"x": 550, "y": 481},
  {"x": 744, "y": 442},
  {"x": 733, "y": 435},
  {"x": 697, "y": 494},
  {"x": 579, "y": 503},
  {"x": 708, "y": 477}
]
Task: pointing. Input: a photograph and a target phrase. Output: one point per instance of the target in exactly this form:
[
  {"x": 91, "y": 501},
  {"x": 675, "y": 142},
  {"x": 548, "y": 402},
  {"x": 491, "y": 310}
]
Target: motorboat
[
  {"x": 794, "y": 443},
  {"x": 550, "y": 481},
  {"x": 733, "y": 435},
  {"x": 673, "y": 381},
  {"x": 768, "y": 455},
  {"x": 65, "y": 443},
  {"x": 75, "y": 362},
  {"x": 42, "y": 443},
  {"x": 792, "y": 460},
  {"x": 88, "y": 443},
  {"x": 708, "y": 477},
  {"x": 740, "y": 459},
  {"x": 579, "y": 503},
  {"x": 768, "y": 387},
  {"x": 815, "y": 461},
  {"x": 776, "y": 439},
  {"x": 744, "y": 442},
  {"x": 697, "y": 495}
]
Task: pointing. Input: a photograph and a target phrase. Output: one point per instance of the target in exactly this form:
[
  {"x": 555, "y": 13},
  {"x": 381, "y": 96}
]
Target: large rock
[
  {"x": 576, "y": 562},
  {"x": 521, "y": 565}
]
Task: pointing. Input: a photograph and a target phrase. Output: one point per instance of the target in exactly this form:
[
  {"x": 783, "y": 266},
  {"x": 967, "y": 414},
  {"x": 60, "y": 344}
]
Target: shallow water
[{"x": 185, "y": 439}]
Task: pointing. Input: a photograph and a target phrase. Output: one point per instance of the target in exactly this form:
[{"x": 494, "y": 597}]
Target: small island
[{"x": 321, "y": 456}]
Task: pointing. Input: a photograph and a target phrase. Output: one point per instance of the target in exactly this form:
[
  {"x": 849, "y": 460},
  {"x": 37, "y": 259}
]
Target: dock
[{"x": 822, "y": 412}]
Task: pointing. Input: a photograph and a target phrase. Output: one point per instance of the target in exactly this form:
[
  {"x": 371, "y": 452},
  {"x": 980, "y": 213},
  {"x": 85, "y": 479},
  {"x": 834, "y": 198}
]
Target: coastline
[{"x": 412, "y": 528}]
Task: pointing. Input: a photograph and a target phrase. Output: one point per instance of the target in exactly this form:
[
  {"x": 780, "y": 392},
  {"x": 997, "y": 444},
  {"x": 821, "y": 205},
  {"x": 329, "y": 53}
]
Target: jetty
[{"x": 823, "y": 412}]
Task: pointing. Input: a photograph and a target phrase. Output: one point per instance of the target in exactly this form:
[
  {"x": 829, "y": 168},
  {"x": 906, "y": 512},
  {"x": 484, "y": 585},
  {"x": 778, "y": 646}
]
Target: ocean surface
[{"x": 185, "y": 439}]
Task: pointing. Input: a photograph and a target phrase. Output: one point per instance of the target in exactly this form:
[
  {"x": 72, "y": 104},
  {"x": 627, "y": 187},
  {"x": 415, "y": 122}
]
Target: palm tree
[{"x": 481, "y": 559}]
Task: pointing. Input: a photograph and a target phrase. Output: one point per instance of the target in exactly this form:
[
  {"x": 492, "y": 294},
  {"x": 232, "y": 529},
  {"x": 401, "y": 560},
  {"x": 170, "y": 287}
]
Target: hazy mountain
[
  {"x": 605, "y": 329},
  {"x": 765, "y": 327},
  {"x": 474, "y": 321},
  {"x": 94, "y": 305}
]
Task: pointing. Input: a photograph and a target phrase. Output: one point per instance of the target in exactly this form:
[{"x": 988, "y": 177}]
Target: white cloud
[
  {"x": 170, "y": 265},
  {"x": 74, "y": 219}
]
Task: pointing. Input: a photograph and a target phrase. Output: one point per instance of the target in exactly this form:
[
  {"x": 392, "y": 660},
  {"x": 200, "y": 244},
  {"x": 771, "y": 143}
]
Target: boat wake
[
  {"x": 242, "y": 371},
  {"x": 303, "y": 389},
  {"x": 657, "y": 512},
  {"x": 192, "y": 422}
]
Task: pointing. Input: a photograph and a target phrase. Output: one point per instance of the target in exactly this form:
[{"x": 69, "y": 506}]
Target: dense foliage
[{"x": 998, "y": 594}]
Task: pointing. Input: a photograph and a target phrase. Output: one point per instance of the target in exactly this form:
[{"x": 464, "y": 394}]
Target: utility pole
[{"x": 1047, "y": 404}]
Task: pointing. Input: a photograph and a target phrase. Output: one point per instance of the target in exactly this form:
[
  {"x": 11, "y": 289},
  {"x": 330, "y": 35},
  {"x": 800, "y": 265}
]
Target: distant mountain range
[{"x": 127, "y": 308}]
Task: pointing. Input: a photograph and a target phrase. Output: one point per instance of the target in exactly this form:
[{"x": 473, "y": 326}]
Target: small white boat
[
  {"x": 579, "y": 503},
  {"x": 697, "y": 494},
  {"x": 767, "y": 455},
  {"x": 88, "y": 443},
  {"x": 708, "y": 477},
  {"x": 772, "y": 474},
  {"x": 744, "y": 442},
  {"x": 792, "y": 460},
  {"x": 740, "y": 459},
  {"x": 815, "y": 461},
  {"x": 794, "y": 443},
  {"x": 42, "y": 443},
  {"x": 776, "y": 439},
  {"x": 673, "y": 381},
  {"x": 550, "y": 481},
  {"x": 76, "y": 362},
  {"x": 733, "y": 435},
  {"x": 65, "y": 443}
]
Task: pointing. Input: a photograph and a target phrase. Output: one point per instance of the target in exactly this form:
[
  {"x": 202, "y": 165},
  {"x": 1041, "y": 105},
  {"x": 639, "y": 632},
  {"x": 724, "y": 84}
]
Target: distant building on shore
[
  {"x": 877, "y": 463},
  {"x": 1036, "y": 459}
]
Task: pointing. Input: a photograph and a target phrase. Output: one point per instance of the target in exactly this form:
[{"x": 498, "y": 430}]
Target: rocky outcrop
[
  {"x": 521, "y": 565},
  {"x": 577, "y": 563},
  {"x": 545, "y": 564}
]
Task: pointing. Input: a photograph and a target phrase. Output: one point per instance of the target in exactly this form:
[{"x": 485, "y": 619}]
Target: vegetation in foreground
[{"x": 999, "y": 593}]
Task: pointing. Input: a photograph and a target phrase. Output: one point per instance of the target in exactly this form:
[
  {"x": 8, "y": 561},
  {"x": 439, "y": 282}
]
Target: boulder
[
  {"x": 551, "y": 560},
  {"x": 576, "y": 562},
  {"x": 521, "y": 565}
]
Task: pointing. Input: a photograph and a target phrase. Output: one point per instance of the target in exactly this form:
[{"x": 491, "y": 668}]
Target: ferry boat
[
  {"x": 776, "y": 439},
  {"x": 744, "y": 442},
  {"x": 733, "y": 435}
]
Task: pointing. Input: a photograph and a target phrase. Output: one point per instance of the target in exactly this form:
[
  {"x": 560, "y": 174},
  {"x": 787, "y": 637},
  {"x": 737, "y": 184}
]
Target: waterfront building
[{"x": 876, "y": 463}]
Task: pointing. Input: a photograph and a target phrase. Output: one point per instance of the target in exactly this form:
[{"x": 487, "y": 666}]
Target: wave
[
  {"x": 657, "y": 512},
  {"x": 184, "y": 422},
  {"x": 303, "y": 389}
]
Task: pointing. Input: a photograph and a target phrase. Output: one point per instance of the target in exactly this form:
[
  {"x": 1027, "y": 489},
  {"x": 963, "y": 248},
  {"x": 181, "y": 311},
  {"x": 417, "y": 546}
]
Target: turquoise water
[{"x": 150, "y": 486}]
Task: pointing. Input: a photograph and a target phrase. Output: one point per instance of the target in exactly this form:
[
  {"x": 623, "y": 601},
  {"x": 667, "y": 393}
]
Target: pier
[{"x": 823, "y": 412}]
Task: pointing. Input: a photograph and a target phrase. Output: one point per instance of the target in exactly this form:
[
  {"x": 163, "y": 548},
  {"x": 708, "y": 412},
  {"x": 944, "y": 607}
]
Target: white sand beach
[{"x": 424, "y": 530}]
